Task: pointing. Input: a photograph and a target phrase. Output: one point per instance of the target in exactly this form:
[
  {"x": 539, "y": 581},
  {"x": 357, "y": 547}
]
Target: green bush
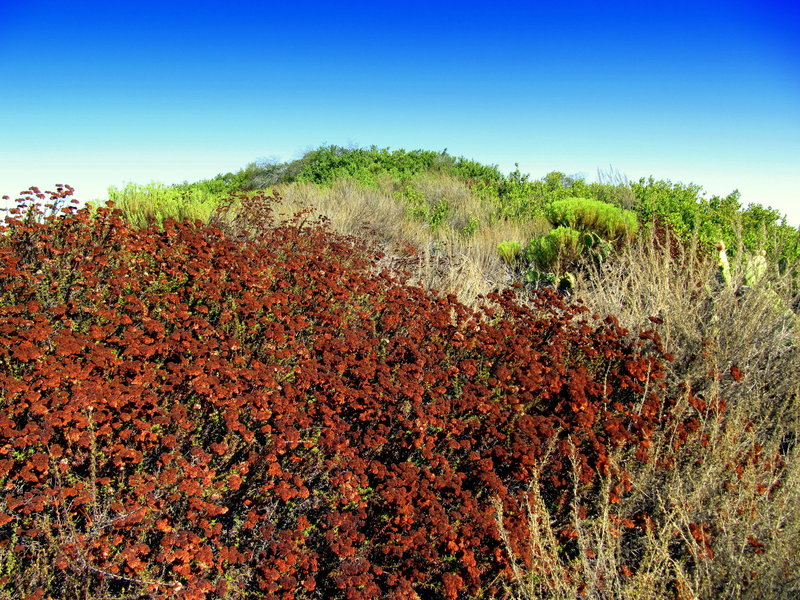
[
  {"x": 509, "y": 251},
  {"x": 560, "y": 247},
  {"x": 608, "y": 221},
  {"x": 517, "y": 197},
  {"x": 685, "y": 209},
  {"x": 681, "y": 206},
  {"x": 327, "y": 163},
  {"x": 156, "y": 202}
]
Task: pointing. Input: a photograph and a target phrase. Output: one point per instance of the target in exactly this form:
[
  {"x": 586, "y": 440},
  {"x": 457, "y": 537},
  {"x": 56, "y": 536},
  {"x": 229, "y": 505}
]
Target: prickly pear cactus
[
  {"x": 566, "y": 283},
  {"x": 539, "y": 278},
  {"x": 723, "y": 266},
  {"x": 756, "y": 269},
  {"x": 596, "y": 248}
]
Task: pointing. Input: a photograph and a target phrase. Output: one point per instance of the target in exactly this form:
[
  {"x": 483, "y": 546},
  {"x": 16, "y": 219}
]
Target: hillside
[
  {"x": 461, "y": 211},
  {"x": 374, "y": 374}
]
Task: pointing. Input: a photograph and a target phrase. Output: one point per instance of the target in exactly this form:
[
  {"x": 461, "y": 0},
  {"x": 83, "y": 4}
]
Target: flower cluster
[{"x": 196, "y": 413}]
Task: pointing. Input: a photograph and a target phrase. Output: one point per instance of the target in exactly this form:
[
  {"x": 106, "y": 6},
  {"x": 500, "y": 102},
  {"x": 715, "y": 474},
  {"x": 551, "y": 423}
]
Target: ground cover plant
[{"x": 258, "y": 409}]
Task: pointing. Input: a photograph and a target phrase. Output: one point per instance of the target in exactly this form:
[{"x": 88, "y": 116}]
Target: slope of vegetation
[
  {"x": 439, "y": 200},
  {"x": 266, "y": 403}
]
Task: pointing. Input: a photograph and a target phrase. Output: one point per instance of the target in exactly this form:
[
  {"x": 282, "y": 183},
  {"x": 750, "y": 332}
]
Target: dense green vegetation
[
  {"x": 683, "y": 206},
  {"x": 612, "y": 211},
  {"x": 611, "y": 222}
]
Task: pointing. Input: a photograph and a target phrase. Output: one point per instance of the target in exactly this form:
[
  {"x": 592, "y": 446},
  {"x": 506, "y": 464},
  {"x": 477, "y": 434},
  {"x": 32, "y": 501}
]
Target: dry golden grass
[
  {"x": 712, "y": 330},
  {"x": 448, "y": 257}
]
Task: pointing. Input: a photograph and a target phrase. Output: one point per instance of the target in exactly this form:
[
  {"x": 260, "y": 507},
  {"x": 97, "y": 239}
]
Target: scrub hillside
[{"x": 373, "y": 374}]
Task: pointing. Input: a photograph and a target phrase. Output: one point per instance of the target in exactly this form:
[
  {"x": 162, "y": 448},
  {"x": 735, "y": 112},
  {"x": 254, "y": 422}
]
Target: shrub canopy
[{"x": 196, "y": 412}]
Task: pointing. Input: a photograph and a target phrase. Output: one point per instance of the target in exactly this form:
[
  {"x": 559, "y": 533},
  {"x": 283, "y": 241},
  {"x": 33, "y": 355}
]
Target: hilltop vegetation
[
  {"x": 373, "y": 374},
  {"x": 461, "y": 197}
]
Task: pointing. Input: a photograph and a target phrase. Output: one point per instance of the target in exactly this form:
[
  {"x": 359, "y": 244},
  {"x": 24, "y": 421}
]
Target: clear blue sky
[{"x": 99, "y": 93}]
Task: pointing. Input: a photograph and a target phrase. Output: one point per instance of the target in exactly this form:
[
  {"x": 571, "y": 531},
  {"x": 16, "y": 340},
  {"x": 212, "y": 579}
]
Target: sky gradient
[{"x": 95, "y": 94}]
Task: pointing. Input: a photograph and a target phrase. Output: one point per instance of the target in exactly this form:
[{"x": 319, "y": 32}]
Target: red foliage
[{"x": 200, "y": 405}]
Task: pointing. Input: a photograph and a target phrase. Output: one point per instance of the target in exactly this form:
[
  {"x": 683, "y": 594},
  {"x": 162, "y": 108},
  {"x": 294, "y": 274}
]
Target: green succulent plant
[
  {"x": 609, "y": 221},
  {"x": 509, "y": 251},
  {"x": 562, "y": 245}
]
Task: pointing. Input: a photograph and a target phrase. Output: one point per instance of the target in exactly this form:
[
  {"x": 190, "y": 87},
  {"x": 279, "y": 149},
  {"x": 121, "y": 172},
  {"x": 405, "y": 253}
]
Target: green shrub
[
  {"x": 610, "y": 222},
  {"x": 685, "y": 209},
  {"x": 509, "y": 251},
  {"x": 327, "y": 163},
  {"x": 560, "y": 247},
  {"x": 156, "y": 202},
  {"x": 421, "y": 207},
  {"x": 681, "y": 206}
]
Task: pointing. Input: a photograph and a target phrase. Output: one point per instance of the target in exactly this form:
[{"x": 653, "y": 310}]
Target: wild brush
[{"x": 258, "y": 408}]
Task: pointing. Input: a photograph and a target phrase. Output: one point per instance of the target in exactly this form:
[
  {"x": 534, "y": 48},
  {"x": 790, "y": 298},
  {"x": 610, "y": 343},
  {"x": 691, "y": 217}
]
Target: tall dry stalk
[
  {"x": 736, "y": 349},
  {"x": 450, "y": 257}
]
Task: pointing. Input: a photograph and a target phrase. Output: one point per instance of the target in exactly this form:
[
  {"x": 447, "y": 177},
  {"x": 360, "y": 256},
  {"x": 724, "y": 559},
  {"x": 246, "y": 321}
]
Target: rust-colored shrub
[{"x": 257, "y": 413}]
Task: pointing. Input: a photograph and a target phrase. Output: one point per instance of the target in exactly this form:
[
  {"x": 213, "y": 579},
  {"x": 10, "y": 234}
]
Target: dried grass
[{"x": 714, "y": 331}]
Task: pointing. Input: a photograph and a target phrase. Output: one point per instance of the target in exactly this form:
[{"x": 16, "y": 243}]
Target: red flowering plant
[{"x": 257, "y": 412}]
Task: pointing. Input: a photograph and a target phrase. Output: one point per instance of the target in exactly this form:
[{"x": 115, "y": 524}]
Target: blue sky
[{"x": 99, "y": 93}]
